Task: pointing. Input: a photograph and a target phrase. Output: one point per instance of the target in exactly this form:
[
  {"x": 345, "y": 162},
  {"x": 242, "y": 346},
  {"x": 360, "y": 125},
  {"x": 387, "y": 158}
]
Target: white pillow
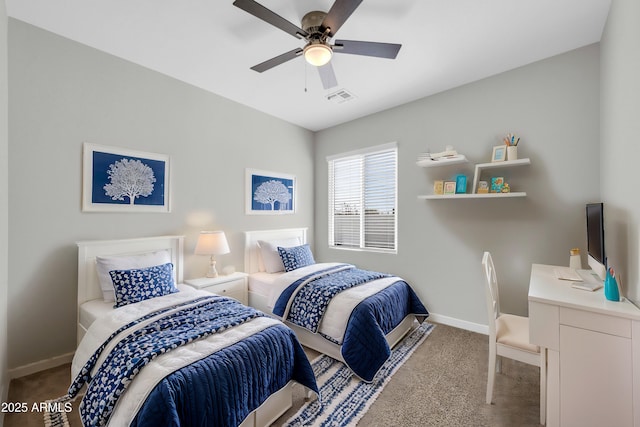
[
  {"x": 106, "y": 264},
  {"x": 269, "y": 252}
]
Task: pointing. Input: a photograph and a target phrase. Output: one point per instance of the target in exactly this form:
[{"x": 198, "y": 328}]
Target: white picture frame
[
  {"x": 269, "y": 193},
  {"x": 499, "y": 153},
  {"x": 104, "y": 170},
  {"x": 449, "y": 187}
]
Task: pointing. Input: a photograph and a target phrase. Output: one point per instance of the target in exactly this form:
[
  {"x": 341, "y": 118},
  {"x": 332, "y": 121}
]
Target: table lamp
[{"x": 212, "y": 243}]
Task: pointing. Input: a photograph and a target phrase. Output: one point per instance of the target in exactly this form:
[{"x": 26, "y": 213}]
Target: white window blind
[{"x": 363, "y": 199}]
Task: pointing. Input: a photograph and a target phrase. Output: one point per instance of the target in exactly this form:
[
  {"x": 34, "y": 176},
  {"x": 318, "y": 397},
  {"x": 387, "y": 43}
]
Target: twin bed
[
  {"x": 215, "y": 374},
  {"x": 358, "y": 327},
  {"x": 213, "y": 377}
]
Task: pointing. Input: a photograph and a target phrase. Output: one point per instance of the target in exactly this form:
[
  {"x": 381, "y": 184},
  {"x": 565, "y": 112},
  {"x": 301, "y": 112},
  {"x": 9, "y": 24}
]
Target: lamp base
[{"x": 212, "y": 268}]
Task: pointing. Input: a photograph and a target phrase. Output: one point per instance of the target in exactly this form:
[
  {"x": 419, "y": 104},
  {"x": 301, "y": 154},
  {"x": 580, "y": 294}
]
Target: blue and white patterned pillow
[
  {"x": 140, "y": 284},
  {"x": 296, "y": 257}
]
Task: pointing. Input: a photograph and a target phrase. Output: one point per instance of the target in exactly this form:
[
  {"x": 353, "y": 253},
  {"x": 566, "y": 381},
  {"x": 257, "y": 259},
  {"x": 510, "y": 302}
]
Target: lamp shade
[{"x": 212, "y": 243}]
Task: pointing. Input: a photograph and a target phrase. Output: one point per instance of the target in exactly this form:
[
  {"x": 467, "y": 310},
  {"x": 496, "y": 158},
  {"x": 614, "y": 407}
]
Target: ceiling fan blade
[
  {"x": 328, "y": 76},
  {"x": 338, "y": 14},
  {"x": 380, "y": 50},
  {"x": 259, "y": 11},
  {"x": 280, "y": 59}
]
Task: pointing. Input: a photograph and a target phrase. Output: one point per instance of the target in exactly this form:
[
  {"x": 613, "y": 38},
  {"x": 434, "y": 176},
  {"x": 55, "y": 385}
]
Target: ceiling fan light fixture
[{"x": 317, "y": 54}]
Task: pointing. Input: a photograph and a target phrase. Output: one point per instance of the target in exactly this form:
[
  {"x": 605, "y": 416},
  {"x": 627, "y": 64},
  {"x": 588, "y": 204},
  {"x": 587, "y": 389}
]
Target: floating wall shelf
[
  {"x": 479, "y": 168},
  {"x": 474, "y": 196},
  {"x": 442, "y": 161}
]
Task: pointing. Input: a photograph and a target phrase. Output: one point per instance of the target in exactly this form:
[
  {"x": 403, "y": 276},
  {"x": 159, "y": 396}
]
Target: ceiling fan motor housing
[
  {"x": 317, "y": 52},
  {"x": 311, "y": 23}
]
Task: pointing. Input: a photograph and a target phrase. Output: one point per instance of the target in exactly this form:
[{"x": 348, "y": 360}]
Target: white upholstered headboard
[
  {"x": 88, "y": 286},
  {"x": 251, "y": 250}
]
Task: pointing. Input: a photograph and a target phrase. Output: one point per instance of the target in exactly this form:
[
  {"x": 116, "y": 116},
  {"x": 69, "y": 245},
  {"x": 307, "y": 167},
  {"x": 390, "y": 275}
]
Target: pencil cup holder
[{"x": 512, "y": 152}]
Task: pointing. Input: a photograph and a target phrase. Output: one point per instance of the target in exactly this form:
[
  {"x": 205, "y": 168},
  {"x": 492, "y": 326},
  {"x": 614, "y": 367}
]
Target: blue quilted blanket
[
  {"x": 228, "y": 378},
  {"x": 364, "y": 348},
  {"x": 222, "y": 389}
]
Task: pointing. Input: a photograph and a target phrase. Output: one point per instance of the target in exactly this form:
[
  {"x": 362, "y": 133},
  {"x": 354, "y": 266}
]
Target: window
[{"x": 362, "y": 199}]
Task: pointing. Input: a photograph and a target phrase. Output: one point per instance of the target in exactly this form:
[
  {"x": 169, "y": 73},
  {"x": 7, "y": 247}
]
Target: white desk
[{"x": 593, "y": 353}]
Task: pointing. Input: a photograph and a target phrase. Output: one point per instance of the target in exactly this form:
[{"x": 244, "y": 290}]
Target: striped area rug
[
  {"x": 55, "y": 414},
  {"x": 344, "y": 397}
]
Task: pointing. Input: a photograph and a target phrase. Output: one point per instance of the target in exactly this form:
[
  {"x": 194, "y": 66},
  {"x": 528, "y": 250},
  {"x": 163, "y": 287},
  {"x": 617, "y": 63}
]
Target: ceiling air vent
[{"x": 340, "y": 96}]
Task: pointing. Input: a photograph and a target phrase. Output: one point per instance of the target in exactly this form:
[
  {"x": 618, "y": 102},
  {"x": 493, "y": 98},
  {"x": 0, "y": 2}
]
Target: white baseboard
[
  {"x": 457, "y": 323},
  {"x": 41, "y": 365}
]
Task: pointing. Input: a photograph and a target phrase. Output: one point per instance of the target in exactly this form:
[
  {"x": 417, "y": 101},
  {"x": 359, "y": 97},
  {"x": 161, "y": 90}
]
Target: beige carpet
[{"x": 442, "y": 384}]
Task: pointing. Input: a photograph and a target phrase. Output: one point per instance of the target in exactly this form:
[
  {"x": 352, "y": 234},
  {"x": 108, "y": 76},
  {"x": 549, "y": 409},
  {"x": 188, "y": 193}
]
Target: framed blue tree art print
[
  {"x": 269, "y": 193},
  {"x": 118, "y": 179}
]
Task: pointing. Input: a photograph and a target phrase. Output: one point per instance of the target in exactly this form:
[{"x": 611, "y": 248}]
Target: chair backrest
[{"x": 491, "y": 292}]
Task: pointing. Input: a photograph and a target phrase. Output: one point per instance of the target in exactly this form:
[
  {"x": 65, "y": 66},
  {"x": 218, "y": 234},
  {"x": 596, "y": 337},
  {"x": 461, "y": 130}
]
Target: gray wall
[
  {"x": 620, "y": 127},
  {"x": 63, "y": 94},
  {"x": 4, "y": 210},
  {"x": 554, "y": 105}
]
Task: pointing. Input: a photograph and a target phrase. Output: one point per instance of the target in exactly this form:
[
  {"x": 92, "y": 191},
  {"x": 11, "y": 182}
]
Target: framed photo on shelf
[
  {"x": 269, "y": 193},
  {"x": 450, "y": 187},
  {"x": 122, "y": 180},
  {"x": 499, "y": 153},
  {"x": 438, "y": 187},
  {"x": 497, "y": 182}
]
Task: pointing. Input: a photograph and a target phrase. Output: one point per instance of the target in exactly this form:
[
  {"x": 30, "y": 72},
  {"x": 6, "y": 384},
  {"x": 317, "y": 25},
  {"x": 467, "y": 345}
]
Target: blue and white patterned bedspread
[
  {"x": 229, "y": 399},
  {"x": 364, "y": 347},
  {"x": 313, "y": 297}
]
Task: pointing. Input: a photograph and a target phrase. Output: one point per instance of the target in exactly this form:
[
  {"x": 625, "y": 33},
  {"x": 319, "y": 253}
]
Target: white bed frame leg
[{"x": 310, "y": 396}]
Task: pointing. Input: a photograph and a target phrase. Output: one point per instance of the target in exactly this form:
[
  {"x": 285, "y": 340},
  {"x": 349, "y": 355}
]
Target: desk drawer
[{"x": 596, "y": 322}]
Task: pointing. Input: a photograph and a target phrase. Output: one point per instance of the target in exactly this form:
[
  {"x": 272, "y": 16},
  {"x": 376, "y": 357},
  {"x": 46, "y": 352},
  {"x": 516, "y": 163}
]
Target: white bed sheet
[
  {"x": 91, "y": 310},
  {"x": 262, "y": 283}
]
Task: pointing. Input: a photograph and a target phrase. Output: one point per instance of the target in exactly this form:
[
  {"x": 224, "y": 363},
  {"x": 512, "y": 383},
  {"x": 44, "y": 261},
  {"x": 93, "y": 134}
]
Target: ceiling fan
[{"x": 317, "y": 29}]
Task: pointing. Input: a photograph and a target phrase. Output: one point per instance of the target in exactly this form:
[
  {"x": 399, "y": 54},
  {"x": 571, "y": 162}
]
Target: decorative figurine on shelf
[
  {"x": 448, "y": 152},
  {"x": 505, "y": 188},
  {"x": 461, "y": 184}
]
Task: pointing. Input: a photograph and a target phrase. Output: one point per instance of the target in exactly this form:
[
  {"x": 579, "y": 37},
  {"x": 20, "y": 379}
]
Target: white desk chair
[{"x": 509, "y": 337}]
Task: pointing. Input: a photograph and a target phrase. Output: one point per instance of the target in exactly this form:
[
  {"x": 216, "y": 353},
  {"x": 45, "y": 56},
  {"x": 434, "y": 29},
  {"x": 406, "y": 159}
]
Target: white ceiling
[{"x": 211, "y": 44}]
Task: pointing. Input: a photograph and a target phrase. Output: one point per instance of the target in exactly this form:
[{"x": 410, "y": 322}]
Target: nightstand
[{"x": 233, "y": 285}]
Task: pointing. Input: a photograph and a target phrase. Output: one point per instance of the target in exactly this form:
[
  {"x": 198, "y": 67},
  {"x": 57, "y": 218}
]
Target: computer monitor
[{"x": 595, "y": 239}]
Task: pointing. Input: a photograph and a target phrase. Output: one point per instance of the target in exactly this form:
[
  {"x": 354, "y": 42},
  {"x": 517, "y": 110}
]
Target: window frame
[{"x": 361, "y": 154}]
